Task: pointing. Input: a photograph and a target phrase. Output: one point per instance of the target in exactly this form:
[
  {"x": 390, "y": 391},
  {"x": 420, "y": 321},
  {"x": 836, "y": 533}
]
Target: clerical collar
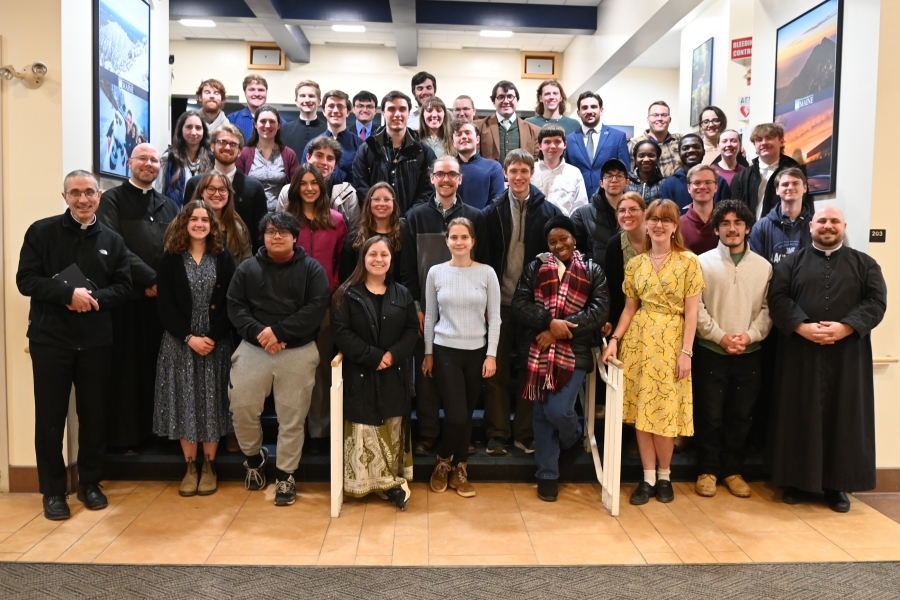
[
  {"x": 81, "y": 225},
  {"x": 828, "y": 252},
  {"x": 144, "y": 190}
]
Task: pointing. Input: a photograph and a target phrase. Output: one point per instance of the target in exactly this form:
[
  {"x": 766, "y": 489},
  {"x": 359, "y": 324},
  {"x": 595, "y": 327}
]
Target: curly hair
[
  {"x": 229, "y": 221},
  {"x": 322, "y": 207},
  {"x": 367, "y": 220},
  {"x": 178, "y": 241},
  {"x": 739, "y": 208},
  {"x": 563, "y": 99},
  {"x": 214, "y": 84},
  {"x": 445, "y": 132}
]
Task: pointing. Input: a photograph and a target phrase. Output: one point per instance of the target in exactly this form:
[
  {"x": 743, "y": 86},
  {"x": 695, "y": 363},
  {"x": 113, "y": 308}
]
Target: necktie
[
  {"x": 507, "y": 124},
  {"x": 590, "y": 146},
  {"x": 362, "y": 133}
]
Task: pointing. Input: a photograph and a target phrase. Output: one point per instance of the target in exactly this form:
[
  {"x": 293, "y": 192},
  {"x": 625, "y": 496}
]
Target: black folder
[{"x": 73, "y": 276}]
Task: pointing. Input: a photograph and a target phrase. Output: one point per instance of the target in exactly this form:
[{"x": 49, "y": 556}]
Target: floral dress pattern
[{"x": 655, "y": 401}]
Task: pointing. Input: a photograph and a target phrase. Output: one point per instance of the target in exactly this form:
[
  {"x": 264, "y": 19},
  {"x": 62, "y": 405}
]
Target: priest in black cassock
[
  {"x": 140, "y": 215},
  {"x": 825, "y": 300}
]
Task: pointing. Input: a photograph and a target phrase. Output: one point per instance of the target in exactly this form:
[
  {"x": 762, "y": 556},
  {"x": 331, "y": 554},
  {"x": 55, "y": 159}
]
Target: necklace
[{"x": 661, "y": 255}]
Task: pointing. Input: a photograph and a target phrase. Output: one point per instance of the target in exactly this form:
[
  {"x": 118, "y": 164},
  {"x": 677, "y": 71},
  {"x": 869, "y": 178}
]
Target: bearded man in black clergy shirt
[{"x": 825, "y": 300}]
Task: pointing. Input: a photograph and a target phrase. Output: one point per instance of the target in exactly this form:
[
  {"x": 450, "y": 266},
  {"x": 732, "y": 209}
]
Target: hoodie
[{"x": 775, "y": 236}]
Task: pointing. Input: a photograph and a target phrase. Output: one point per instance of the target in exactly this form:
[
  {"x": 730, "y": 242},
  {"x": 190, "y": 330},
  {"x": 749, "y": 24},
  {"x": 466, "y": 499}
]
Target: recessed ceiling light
[
  {"x": 496, "y": 33},
  {"x": 197, "y": 23},
  {"x": 349, "y": 28}
]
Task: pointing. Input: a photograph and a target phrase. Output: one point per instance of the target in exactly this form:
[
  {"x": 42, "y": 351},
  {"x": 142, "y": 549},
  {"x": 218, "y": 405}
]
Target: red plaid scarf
[{"x": 554, "y": 366}]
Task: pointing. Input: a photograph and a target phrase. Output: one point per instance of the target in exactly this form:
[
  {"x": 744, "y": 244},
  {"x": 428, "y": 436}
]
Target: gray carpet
[{"x": 814, "y": 581}]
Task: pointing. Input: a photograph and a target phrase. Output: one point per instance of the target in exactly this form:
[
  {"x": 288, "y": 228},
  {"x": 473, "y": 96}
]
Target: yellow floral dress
[{"x": 654, "y": 400}]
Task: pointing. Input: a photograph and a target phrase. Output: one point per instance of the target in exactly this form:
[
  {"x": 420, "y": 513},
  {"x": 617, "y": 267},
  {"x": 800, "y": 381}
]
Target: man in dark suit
[
  {"x": 365, "y": 118},
  {"x": 249, "y": 196},
  {"x": 504, "y": 131},
  {"x": 595, "y": 144}
]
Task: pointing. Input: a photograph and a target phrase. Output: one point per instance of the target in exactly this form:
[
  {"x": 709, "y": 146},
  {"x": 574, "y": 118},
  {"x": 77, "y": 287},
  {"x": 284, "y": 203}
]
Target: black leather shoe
[
  {"x": 55, "y": 508},
  {"x": 643, "y": 493},
  {"x": 792, "y": 495},
  {"x": 548, "y": 490},
  {"x": 664, "y": 491},
  {"x": 837, "y": 501},
  {"x": 91, "y": 496}
]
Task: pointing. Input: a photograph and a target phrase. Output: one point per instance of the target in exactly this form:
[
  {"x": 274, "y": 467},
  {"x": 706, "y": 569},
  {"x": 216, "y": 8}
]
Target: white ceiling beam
[
  {"x": 290, "y": 38},
  {"x": 406, "y": 34}
]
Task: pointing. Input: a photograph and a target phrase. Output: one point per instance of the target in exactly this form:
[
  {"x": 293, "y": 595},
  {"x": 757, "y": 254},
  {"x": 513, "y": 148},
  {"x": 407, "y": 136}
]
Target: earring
[{"x": 673, "y": 236}]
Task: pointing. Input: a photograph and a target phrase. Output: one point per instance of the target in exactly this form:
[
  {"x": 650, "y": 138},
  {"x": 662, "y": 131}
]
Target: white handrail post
[{"x": 337, "y": 435}]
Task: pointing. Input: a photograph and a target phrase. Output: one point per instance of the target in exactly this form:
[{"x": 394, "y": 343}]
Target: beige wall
[{"x": 627, "y": 96}]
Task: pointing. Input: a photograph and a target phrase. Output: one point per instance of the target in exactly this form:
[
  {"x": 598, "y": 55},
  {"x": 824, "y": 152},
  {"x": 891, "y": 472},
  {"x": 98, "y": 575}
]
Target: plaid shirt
[{"x": 670, "y": 160}]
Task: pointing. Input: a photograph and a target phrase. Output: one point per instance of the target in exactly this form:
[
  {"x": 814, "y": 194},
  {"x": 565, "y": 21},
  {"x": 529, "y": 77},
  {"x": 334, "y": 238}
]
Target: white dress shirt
[{"x": 563, "y": 186}]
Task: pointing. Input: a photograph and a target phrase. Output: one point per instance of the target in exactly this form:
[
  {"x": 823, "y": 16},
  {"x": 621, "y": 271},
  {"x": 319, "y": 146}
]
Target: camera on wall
[{"x": 171, "y": 59}]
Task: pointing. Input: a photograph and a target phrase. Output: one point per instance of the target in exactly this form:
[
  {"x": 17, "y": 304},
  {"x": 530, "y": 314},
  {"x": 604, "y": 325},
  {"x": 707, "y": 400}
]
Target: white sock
[
  {"x": 650, "y": 476},
  {"x": 664, "y": 473}
]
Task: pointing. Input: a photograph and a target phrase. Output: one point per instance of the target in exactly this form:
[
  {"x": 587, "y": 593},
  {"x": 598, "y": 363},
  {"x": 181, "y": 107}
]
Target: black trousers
[
  {"x": 457, "y": 374},
  {"x": 55, "y": 370},
  {"x": 725, "y": 391},
  {"x": 428, "y": 401}
]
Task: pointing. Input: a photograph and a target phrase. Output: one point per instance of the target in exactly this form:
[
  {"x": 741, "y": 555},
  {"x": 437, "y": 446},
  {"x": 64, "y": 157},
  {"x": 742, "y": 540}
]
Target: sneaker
[
  {"x": 459, "y": 481},
  {"x": 256, "y": 477},
  {"x": 208, "y": 480},
  {"x": 90, "y": 495},
  {"x": 526, "y": 445},
  {"x": 399, "y": 495},
  {"x": 706, "y": 485},
  {"x": 56, "y": 508},
  {"x": 737, "y": 486},
  {"x": 643, "y": 493},
  {"x": 191, "y": 480},
  {"x": 439, "y": 476},
  {"x": 285, "y": 491},
  {"x": 664, "y": 491},
  {"x": 548, "y": 490},
  {"x": 496, "y": 446}
]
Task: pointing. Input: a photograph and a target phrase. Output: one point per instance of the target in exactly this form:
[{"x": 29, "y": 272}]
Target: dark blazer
[
  {"x": 533, "y": 318},
  {"x": 371, "y": 396},
  {"x": 173, "y": 296},
  {"x": 489, "y": 131},
  {"x": 609, "y": 143},
  {"x": 249, "y": 202}
]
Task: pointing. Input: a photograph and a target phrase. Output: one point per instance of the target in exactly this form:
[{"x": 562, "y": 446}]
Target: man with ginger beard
[
  {"x": 140, "y": 215},
  {"x": 211, "y": 96},
  {"x": 825, "y": 300}
]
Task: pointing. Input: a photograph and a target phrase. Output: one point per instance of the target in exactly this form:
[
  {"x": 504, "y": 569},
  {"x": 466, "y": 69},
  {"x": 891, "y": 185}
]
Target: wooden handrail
[
  {"x": 885, "y": 360},
  {"x": 337, "y": 359},
  {"x": 616, "y": 362}
]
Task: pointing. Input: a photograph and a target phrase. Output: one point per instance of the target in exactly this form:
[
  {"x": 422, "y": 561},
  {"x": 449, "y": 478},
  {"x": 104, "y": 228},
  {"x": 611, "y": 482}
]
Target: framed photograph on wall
[
  {"x": 121, "y": 83},
  {"x": 807, "y": 89},
  {"x": 701, "y": 80}
]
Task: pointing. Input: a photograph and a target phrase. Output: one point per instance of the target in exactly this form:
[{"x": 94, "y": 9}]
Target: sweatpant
[
  {"x": 428, "y": 401},
  {"x": 457, "y": 374},
  {"x": 497, "y": 405},
  {"x": 55, "y": 370},
  {"x": 320, "y": 406},
  {"x": 254, "y": 375},
  {"x": 725, "y": 391},
  {"x": 556, "y": 426}
]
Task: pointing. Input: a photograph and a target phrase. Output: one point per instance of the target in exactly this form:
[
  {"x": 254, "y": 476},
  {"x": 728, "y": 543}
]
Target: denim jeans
[{"x": 556, "y": 426}]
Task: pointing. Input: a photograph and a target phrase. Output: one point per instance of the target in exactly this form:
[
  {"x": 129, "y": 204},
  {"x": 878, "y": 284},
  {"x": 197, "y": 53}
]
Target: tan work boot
[
  {"x": 208, "y": 482},
  {"x": 459, "y": 481},
  {"x": 737, "y": 486},
  {"x": 706, "y": 485},
  {"x": 442, "y": 469},
  {"x": 191, "y": 480}
]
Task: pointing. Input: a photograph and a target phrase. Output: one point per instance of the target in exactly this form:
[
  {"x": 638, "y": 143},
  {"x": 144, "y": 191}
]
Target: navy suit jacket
[{"x": 610, "y": 143}]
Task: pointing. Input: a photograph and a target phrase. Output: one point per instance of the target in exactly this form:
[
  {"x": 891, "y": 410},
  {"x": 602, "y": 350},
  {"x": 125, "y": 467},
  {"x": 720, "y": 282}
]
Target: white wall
[{"x": 627, "y": 96}]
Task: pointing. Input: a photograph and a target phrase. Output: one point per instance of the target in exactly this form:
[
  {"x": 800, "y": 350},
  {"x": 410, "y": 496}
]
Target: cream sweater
[{"x": 734, "y": 300}]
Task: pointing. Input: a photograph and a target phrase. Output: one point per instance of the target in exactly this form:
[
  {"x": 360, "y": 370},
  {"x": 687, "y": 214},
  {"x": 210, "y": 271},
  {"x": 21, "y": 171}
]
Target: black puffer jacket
[
  {"x": 371, "y": 396},
  {"x": 410, "y": 178},
  {"x": 533, "y": 318},
  {"x": 595, "y": 223}
]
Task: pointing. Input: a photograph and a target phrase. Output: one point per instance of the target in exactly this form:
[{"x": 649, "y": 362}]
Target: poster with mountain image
[
  {"x": 807, "y": 80},
  {"x": 122, "y": 82}
]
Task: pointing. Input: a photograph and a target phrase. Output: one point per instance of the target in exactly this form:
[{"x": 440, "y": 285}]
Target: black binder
[{"x": 73, "y": 276}]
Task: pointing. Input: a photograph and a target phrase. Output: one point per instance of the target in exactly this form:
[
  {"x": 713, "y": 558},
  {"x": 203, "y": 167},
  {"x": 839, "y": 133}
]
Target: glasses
[
  {"x": 146, "y": 159},
  {"x": 634, "y": 210},
  {"x": 706, "y": 122},
  {"x": 282, "y": 233},
  {"x": 227, "y": 144},
  {"x": 706, "y": 182},
  {"x": 214, "y": 191},
  {"x": 617, "y": 177},
  {"x": 658, "y": 115},
  {"x": 507, "y": 97},
  {"x": 89, "y": 193},
  {"x": 364, "y": 106},
  {"x": 442, "y": 175},
  {"x": 657, "y": 220}
]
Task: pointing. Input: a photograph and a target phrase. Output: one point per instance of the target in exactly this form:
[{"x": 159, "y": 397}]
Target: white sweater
[
  {"x": 734, "y": 300},
  {"x": 456, "y": 301}
]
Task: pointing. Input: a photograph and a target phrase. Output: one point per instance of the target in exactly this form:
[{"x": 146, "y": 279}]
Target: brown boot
[
  {"x": 442, "y": 469},
  {"x": 737, "y": 486},
  {"x": 208, "y": 482},
  {"x": 706, "y": 485},
  {"x": 191, "y": 480},
  {"x": 459, "y": 481}
]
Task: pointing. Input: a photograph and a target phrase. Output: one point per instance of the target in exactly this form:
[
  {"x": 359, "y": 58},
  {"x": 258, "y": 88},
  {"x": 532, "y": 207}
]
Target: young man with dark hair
[
  {"x": 336, "y": 107},
  {"x": 310, "y": 124},
  {"x": 676, "y": 186},
  {"x": 424, "y": 86},
  {"x": 256, "y": 89},
  {"x": 659, "y": 116},
  {"x": 595, "y": 143},
  {"x": 733, "y": 319},
  {"x": 482, "y": 177},
  {"x": 786, "y": 228},
  {"x": 516, "y": 221},
  {"x": 596, "y": 222},
  {"x": 560, "y": 182},
  {"x": 276, "y": 302},
  {"x": 503, "y": 131},
  {"x": 211, "y": 96},
  {"x": 696, "y": 225},
  {"x": 364, "y": 120},
  {"x": 551, "y": 107},
  {"x": 395, "y": 156}
]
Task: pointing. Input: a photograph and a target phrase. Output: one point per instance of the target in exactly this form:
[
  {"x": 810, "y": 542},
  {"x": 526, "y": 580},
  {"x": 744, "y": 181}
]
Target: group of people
[{"x": 444, "y": 257}]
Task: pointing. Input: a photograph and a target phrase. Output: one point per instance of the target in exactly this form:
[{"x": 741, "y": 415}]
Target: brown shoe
[
  {"x": 191, "y": 480},
  {"x": 706, "y": 485},
  {"x": 208, "y": 482},
  {"x": 737, "y": 486},
  {"x": 439, "y": 476},
  {"x": 459, "y": 481}
]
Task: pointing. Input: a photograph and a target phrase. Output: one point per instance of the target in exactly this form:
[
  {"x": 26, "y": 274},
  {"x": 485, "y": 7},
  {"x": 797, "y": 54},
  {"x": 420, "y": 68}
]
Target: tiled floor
[{"x": 505, "y": 524}]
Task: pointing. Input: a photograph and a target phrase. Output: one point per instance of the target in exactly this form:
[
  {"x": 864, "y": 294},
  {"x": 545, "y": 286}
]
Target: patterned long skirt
[{"x": 376, "y": 457}]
